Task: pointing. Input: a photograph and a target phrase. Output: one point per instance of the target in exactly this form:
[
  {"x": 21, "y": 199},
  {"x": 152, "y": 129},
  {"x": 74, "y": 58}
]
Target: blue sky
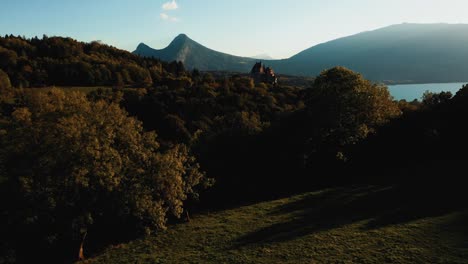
[{"x": 242, "y": 27}]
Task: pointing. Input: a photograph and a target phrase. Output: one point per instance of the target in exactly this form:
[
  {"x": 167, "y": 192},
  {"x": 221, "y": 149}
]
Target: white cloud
[
  {"x": 164, "y": 16},
  {"x": 170, "y": 5},
  {"x": 167, "y": 17}
]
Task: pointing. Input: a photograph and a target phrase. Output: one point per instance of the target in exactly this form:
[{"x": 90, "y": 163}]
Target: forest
[{"x": 151, "y": 144}]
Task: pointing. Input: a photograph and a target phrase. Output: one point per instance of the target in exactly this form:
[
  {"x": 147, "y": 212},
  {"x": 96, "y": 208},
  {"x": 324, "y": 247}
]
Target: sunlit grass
[{"x": 332, "y": 226}]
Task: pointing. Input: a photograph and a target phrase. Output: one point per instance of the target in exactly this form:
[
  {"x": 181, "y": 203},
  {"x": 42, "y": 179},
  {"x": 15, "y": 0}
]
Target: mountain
[
  {"x": 263, "y": 56},
  {"x": 398, "y": 53},
  {"x": 404, "y": 53},
  {"x": 195, "y": 55}
]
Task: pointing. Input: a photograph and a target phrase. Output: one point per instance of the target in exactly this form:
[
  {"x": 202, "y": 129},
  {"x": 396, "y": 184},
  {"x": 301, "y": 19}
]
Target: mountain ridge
[
  {"x": 402, "y": 53},
  {"x": 195, "y": 55}
]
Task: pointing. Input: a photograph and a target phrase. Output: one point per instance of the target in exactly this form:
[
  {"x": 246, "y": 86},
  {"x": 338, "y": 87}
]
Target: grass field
[{"x": 346, "y": 225}]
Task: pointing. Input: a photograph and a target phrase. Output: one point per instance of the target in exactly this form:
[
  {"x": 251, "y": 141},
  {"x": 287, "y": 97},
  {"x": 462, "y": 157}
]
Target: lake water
[{"x": 409, "y": 92}]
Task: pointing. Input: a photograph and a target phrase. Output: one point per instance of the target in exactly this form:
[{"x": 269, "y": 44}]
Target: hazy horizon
[{"x": 280, "y": 30}]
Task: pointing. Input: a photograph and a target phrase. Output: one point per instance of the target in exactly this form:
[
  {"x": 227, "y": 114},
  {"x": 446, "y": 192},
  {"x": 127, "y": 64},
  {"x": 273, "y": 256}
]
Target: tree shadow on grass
[
  {"x": 456, "y": 231},
  {"x": 379, "y": 205}
]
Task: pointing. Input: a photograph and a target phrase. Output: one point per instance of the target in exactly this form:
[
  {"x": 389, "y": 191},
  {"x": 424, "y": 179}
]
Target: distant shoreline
[
  {"x": 387, "y": 83},
  {"x": 414, "y": 83},
  {"x": 409, "y": 92}
]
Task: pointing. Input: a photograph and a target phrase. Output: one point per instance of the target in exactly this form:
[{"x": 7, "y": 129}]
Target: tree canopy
[
  {"x": 66, "y": 62},
  {"x": 344, "y": 108},
  {"x": 69, "y": 165}
]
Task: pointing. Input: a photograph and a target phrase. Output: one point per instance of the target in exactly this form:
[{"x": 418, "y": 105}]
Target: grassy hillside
[{"x": 347, "y": 225}]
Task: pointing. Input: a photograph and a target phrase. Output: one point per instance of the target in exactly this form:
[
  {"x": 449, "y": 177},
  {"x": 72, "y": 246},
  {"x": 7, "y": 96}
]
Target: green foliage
[
  {"x": 228, "y": 124},
  {"x": 425, "y": 146},
  {"x": 8, "y": 58},
  {"x": 234, "y": 107},
  {"x": 67, "y": 62},
  {"x": 6, "y": 91},
  {"x": 463, "y": 92},
  {"x": 344, "y": 108},
  {"x": 70, "y": 165},
  {"x": 430, "y": 99},
  {"x": 409, "y": 106},
  {"x": 4, "y": 81}
]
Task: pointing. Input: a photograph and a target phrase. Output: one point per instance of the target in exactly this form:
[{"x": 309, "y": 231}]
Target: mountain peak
[
  {"x": 182, "y": 36},
  {"x": 403, "y": 48},
  {"x": 195, "y": 55},
  {"x": 180, "y": 40},
  {"x": 142, "y": 46}
]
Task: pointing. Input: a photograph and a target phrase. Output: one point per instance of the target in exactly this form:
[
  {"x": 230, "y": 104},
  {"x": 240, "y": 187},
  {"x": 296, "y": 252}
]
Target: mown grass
[{"x": 345, "y": 225}]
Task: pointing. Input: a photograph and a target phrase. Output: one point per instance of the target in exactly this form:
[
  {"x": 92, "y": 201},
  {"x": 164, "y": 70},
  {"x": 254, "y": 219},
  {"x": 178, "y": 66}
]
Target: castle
[{"x": 263, "y": 75}]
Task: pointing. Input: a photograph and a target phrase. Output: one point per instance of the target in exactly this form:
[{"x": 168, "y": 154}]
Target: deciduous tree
[{"x": 70, "y": 164}]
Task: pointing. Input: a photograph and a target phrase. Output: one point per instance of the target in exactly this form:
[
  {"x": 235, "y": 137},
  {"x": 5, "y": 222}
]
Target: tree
[
  {"x": 8, "y": 58},
  {"x": 118, "y": 80},
  {"x": 6, "y": 91},
  {"x": 67, "y": 62},
  {"x": 74, "y": 166},
  {"x": 463, "y": 92},
  {"x": 4, "y": 80},
  {"x": 430, "y": 99},
  {"x": 344, "y": 108}
]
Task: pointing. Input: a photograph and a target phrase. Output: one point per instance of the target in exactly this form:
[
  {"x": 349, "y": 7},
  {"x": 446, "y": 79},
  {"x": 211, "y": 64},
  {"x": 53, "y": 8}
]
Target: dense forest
[
  {"x": 65, "y": 62},
  {"x": 159, "y": 143}
]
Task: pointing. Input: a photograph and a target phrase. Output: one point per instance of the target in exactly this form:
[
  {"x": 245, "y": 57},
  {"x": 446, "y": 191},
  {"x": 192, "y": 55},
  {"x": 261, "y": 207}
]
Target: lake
[{"x": 409, "y": 92}]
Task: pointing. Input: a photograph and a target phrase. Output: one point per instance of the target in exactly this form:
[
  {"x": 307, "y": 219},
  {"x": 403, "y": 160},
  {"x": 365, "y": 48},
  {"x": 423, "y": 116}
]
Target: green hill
[{"x": 344, "y": 225}]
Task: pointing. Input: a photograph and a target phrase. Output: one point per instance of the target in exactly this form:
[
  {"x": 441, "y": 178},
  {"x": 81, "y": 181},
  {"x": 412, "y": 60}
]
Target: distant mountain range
[{"x": 404, "y": 53}]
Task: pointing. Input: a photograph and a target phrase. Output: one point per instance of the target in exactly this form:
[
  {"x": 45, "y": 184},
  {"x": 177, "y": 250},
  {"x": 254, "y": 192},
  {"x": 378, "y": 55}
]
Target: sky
[{"x": 278, "y": 28}]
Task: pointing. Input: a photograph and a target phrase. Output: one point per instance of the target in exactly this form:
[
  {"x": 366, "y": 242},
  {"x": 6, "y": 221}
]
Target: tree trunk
[
  {"x": 187, "y": 215},
  {"x": 81, "y": 252}
]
